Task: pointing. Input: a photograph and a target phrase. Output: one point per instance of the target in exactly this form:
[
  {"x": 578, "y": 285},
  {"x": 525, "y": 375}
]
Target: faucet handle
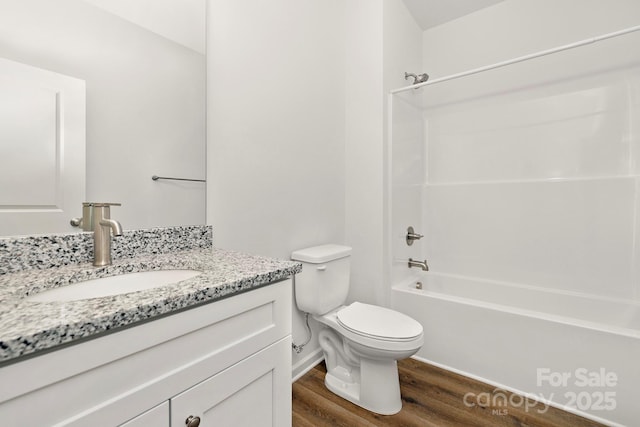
[
  {"x": 101, "y": 204},
  {"x": 87, "y": 220},
  {"x": 412, "y": 235}
]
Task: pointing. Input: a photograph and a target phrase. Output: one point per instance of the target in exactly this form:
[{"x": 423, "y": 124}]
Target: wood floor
[{"x": 431, "y": 397}]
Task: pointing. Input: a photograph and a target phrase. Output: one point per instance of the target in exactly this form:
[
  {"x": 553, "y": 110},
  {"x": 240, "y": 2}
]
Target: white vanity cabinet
[
  {"x": 227, "y": 362},
  {"x": 156, "y": 417},
  {"x": 241, "y": 395}
]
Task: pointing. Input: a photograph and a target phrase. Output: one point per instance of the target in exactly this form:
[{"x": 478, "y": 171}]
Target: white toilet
[{"x": 361, "y": 342}]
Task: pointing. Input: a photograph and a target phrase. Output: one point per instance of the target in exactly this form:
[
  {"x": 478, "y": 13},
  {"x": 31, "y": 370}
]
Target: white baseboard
[
  {"x": 305, "y": 365},
  {"x": 516, "y": 391}
]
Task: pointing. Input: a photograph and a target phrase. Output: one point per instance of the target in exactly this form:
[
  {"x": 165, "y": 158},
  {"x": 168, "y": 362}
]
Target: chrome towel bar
[{"x": 156, "y": 177}]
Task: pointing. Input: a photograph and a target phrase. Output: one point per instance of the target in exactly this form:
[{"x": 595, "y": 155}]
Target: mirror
[{"x": 143, "y": 67}]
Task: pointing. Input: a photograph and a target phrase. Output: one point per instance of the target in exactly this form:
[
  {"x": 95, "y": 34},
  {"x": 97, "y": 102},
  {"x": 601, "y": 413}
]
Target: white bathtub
[{"x": 575, "y": 352}]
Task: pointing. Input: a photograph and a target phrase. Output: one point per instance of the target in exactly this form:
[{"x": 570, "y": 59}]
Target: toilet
[{"x": 361, "y": 342}]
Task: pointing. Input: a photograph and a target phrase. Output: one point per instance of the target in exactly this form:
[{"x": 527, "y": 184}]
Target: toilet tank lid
[{"x": 322, "y": 253}]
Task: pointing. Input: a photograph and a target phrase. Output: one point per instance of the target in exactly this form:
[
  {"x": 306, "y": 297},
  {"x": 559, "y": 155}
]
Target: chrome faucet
[
  {"x": 422, "y": 264},
  {"x": 96, "y": 217}
]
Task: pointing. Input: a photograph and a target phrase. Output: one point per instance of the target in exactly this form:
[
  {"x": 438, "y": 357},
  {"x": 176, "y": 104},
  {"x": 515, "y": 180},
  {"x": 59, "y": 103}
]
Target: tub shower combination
[
  {"x": 522, "y": 190},
  {"x": 514, "y": 338}
]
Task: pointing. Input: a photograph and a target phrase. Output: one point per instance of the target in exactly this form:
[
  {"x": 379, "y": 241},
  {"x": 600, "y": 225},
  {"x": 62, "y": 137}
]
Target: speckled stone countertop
[{"x": 27, "y": 327}]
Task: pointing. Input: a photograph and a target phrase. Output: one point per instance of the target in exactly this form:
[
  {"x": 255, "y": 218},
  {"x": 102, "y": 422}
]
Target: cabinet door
[
  {"x": 255, "y": 392},
  {"x": 154, "y": 417}
]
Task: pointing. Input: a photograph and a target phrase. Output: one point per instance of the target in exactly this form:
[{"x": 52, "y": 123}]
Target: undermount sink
[{"x": 114, "y": 285}]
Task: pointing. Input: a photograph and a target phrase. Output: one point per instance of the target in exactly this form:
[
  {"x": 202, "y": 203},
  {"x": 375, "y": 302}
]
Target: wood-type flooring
[{"x": 432, "y": 397}]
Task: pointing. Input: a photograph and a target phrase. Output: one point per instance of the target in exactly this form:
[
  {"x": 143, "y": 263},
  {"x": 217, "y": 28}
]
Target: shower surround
[{"x": 525, "y": 183}]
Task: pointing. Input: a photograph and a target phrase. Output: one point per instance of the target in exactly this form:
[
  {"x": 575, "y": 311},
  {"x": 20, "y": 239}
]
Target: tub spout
[{"x": 422, "y": 264}]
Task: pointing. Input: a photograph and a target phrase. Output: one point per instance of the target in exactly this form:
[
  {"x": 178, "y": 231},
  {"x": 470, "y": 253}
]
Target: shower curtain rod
[{"x": 520, "y": 59}]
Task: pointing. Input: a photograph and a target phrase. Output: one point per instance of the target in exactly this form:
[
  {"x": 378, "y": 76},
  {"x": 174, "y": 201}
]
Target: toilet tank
[{"x": 323, "y": 283}]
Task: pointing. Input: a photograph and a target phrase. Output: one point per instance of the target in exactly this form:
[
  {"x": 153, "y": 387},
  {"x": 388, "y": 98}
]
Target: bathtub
[{"x": 563, "y": 349}]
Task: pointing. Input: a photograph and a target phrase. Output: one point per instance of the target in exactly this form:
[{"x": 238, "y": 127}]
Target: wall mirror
[{"x": 127, "y": 77}]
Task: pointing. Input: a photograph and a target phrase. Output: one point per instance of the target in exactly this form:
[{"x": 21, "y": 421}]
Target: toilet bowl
[
  {"x": 361, "y": 342},
  {"x": 362, "y": 363}
]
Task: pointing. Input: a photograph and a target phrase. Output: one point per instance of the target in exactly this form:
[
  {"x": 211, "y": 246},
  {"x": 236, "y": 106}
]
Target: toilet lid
[{"x": 378, "y": 322}]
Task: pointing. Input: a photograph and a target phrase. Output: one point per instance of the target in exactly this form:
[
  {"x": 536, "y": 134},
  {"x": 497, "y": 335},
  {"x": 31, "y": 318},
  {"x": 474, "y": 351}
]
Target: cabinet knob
[{"x": 192, "y": 421}]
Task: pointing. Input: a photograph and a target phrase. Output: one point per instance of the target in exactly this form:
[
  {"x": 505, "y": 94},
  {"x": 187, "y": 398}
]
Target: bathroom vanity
[{"x": 214, "y": 349}]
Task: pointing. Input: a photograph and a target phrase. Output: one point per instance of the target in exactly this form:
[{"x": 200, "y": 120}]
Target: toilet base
[
  {"x": 378, "y": 390},
  {"x": 365, "y": 376}
]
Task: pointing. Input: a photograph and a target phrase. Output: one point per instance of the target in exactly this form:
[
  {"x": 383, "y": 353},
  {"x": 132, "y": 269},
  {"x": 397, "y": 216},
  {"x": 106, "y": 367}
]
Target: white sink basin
[{"x": 114, "y": 285}]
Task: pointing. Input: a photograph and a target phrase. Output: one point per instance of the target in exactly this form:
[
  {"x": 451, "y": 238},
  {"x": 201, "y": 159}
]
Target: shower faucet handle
[{"x": 412, "y": 235}]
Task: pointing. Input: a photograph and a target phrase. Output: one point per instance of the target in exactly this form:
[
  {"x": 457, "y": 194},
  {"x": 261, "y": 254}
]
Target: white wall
[
  {"x": 145, "y": 104},
  {"x": 517, "y": 27},
  {"x": 384, "y": 41},
  {"x": 276, "y": 128},
  {"x": 532, "y": 169},
  {"x": 296, "y": 129},
  {"x": 364, "y": 147},
  {"x": 182, "y": 21}
]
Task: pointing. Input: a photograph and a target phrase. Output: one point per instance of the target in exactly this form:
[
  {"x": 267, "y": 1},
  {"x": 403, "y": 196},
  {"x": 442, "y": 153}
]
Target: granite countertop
[{"x": 27, "y": 327}]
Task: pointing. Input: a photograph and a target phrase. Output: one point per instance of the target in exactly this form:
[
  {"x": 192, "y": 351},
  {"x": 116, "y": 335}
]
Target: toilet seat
[{"x": 378, "y": 323}]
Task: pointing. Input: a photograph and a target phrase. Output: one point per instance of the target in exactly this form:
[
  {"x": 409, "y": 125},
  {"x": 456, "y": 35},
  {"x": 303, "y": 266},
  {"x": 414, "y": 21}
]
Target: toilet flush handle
[{"x": 321, "y": 268}]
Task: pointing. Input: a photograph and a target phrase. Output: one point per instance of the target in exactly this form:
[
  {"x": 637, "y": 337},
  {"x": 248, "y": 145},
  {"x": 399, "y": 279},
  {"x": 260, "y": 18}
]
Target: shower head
[{"x": 420, "y": 78}]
